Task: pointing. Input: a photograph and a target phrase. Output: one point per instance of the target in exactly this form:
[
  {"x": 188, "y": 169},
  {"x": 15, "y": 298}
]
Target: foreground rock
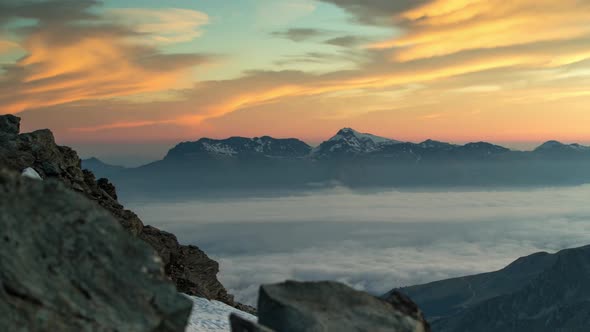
[
  {"x": 329, "y": 306},
  {"x": 192, "y": 270},
  {"x": 67, "y": 265}
]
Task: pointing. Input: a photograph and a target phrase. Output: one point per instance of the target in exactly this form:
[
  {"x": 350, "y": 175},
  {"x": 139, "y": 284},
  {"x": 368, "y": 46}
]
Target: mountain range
[
  {"x": 541, "y": 292},
  {"x": 353, "y": 159}
]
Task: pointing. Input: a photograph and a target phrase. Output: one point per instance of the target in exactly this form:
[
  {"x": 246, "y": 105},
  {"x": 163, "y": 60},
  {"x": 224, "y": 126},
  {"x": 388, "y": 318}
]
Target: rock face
[
  {"x": 330, "y": 306},
  {"x": 239, "y": 147},
  {"x": 404, "y": 304},
  {"x": 191, "y": 270},
  {"x": 67, "y": 265}
]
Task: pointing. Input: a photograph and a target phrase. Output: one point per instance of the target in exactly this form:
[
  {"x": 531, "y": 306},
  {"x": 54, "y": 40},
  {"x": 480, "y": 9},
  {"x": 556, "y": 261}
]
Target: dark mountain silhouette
[
  {"x": 541, "y": 292},
  {"x": 349, "y": 158}
]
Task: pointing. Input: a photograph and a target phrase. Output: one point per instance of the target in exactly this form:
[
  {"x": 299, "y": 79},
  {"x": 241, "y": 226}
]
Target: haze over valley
[{"x": 373, "y": 240}]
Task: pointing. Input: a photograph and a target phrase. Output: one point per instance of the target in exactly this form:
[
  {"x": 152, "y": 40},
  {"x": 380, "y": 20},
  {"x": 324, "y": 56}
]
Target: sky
[
  {"x": 129, "y": 77},
  {"x": 374, "y": 241}
]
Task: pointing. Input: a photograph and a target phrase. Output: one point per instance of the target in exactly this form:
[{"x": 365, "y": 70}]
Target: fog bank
[{"x": 374, "y": 241}]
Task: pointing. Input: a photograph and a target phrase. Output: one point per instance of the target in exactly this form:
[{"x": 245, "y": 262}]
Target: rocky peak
[
  {"x": 9, "y": 124},
  {"x": 190, "y": 269},
  {"x": 349, "y": 133},
  {"x": 264, "y": 146},
  {"x": 348, "y": 141},
  {"x": 432, "y": 144},
  {"x": 558, "y": 146},
  {"x": 551, "y": 145},
  {"x": 483, "y": 148}
]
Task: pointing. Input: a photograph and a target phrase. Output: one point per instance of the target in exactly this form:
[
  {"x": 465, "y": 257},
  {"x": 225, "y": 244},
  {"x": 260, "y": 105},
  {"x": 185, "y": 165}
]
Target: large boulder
[
  {"x": 193, "y": 272},
  {"x": 404, "y": 304},
  {"x": 330, "y": 306},
  {"x": 67, "y": 265}
]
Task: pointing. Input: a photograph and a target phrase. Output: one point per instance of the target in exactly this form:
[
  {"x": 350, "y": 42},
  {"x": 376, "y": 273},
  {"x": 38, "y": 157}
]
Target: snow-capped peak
[
  {"x": 349, "y": 132},
  {"x": 350, "y": 141}
]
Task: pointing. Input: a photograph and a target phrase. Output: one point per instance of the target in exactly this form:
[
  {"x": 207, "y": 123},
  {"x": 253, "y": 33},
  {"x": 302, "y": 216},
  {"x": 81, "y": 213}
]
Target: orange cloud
[
  {"x": 75, "y": 60},
  {"x": 119, "y": 125},
  {"x": 7, "y": 46},
  {"x": 507, "y": 58},
  {"x": 444, "y": 27}
]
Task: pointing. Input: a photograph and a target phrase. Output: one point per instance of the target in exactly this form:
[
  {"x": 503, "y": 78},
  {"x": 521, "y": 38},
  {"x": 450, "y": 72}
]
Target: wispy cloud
[
  {"x": 347, "y": 41},
  {"x": 444, "y": 27},
  {"x": 7, "y": 46},
  {"x": 83, "y": 56},
  {"x": 298, "y": 34},
  {"x": 167, "y": 25}
]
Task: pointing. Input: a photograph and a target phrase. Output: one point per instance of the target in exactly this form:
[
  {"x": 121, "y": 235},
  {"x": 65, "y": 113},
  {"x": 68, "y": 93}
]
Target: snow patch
[
  {"x": 219, "y": 148},
  {"x": 212, "y": 316},
  {"x": 31, "y": 173},
  {"x": 352, "y": 141},
  {"x": 362, "y": 136}
]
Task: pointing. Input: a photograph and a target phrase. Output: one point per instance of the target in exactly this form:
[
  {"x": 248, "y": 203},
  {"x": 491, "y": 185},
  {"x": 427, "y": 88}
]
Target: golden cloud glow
[
  {"x": 7, "y": 46},
  {"x": 444, "y": 27},
  {"x": 92, "y": 68},
  {"x": 119, "y": 125},
  {"x": 90, "y": 64},
  {"x": 458, "y": 67}
]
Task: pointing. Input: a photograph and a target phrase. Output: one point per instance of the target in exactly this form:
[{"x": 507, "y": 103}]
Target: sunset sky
[{"x": 126, "y": 79}]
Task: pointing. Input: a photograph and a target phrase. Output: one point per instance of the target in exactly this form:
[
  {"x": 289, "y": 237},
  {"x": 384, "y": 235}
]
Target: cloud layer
[{"x": 374, "y": 241}]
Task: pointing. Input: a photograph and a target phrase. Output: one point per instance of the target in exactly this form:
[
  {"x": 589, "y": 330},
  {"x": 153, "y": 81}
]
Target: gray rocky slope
[
  {"x": 189, "y": 268},
  {"x": 67, "y": 265},
  {"x": 541, "y": 292}
]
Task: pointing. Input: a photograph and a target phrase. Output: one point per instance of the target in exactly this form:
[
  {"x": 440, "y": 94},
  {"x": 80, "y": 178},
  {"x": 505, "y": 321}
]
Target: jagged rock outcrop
[
  {"x": 189, "y": 267},
  {"x": 404, "y": 304},
  {"x": 193, "y": 272},
  {"x": 329, "y": 306},
  {"x": 67, "y": 265}
]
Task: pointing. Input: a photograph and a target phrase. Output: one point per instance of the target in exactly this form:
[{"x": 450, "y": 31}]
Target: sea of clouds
[{"x": 373, "y": 241}]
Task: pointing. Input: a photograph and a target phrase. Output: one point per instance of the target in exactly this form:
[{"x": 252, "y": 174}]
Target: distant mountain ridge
[
  {"x": 347, "y": 143},
  {"x": 240, "y": 147},
  {"x": 349, "y": 158}
]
